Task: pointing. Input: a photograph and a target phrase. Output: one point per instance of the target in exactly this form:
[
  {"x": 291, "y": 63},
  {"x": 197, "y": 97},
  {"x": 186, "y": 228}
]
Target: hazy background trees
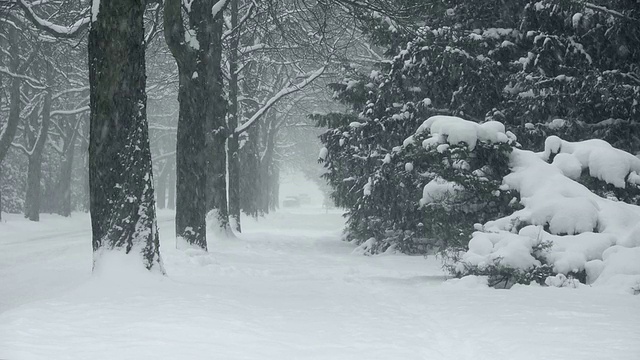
[{"x": 223, "y": 77}]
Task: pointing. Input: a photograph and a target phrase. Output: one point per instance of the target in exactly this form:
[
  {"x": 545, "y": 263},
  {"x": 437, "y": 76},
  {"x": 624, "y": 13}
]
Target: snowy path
[{"x": 288, "y": 288}]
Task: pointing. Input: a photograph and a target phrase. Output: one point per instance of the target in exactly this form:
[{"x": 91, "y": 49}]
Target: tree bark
[
  {"x": 192, "y": 97},
  {"x": 86, "y": 192},
  {"x": 217, "y": 134},
  {"x": 267, "y": 165},
  {"x": 34, "y": 173},
  {"x": 161, "y": 191},
  {"x": 63, "y": 187},
  {"x": 123, "y": 213},
  {"x": 171, "y": 187},
  {"x": 233, "y": 140},
  {"x": 198, "y": 54},
  {"x": 10, "y": 129},
  {"x": 14, "y": 97}
]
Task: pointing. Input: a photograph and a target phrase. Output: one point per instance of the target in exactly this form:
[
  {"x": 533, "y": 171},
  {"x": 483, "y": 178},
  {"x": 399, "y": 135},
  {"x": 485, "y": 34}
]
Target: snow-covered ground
[{"x": 287, "y": 288}]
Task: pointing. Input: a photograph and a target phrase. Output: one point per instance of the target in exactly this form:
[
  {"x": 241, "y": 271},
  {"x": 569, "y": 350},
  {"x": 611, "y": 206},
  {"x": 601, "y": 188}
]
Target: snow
[
  {"x": 621, "y": 262},
  {"x": 560, "y": 280},
  {"x": 95, "y": 9},
  {"x": 569, "y": 165},
  {"x": 582, "y": 228},
  {"x": 437, "y": 190},
  {"x": 323, "y": 153},
  {"x": 573, "y": 227},
  {"x": 480, "y": 245},
  {"x": 457, "y": 131},
  {"x": 603, "y": 160},
  {"x": 565, "y": 215},
  {"x": 366, "y": 190},
  {"x": 408, "y": 141},
  {"x": 557, "y": 123},
  {"x": 286, "y": 288},
  {"x": 191, "y": 39},
  {"x": 575, "y": 20},
  {"x": 215, "y": 9},
  {"x": 408, "y": 167}
]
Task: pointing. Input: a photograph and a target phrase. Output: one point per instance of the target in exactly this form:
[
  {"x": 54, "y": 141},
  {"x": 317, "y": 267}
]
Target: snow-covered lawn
[{"x": 287, "y": 288}]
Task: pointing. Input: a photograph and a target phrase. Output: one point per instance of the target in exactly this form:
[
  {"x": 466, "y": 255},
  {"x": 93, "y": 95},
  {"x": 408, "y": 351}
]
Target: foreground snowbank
[{"x": 289, "y": 288}]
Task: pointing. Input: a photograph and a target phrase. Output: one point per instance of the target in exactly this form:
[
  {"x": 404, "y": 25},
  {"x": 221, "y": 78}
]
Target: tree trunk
[
  {"x": 266, "y": 164},
  {"x": 63, "y": 188},
  {"x": 198, "y": 54},
  {"x": 217, "y": 134},
  {"x": 190, "y": 155},
  {"x": 9, "y": 132},
  {"x": 123, "y": 214},
  {"x": 232, "y": 141},
  {"x": 86, "y": 192},
  {"x": 34, "y": 174},
  {"x": 171, "y": 187},
  {"x": 161, "y": 191}
]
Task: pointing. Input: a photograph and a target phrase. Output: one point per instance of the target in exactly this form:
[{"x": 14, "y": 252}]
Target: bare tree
[{"x": 121, "y": 180}]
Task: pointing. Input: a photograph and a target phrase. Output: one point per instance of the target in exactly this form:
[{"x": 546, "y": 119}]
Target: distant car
[
  {"x": 305, "y": 199},
  {"x": 291, "y": 201}
]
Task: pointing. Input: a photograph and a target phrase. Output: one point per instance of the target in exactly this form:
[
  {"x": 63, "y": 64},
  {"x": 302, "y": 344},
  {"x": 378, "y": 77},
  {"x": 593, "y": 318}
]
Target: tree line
[{"x": 78, "y": 78}]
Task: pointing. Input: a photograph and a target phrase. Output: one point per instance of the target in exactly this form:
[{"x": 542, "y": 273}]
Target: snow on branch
[
  {"x": 70, "y": 112},
  {"x": 282, "y": 93},
  {"x": 34, "y": 83},
  {"x": 23, "y": 149},
  {"x": 217, "y": 7},
  {"x": 244, "y": 19},
  {"x": 162, "y": 127},
  {"x": 163, "y": 156},
  {"x": 604, "y": 9},
  {"x": 247, "y": 49},
  {"x": 70, "y": 91},
  {"x": 51, "y": 28}
]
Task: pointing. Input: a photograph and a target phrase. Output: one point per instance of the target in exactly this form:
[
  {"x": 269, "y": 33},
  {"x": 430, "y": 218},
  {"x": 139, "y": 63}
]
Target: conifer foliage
[{"x": 567, "y": 68}]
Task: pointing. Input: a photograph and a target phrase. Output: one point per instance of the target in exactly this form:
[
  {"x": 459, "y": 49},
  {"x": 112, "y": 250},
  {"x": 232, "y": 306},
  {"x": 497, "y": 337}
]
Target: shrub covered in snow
[
  {"x": 453, "y": 166},
  {"x": 564, "y": 228},
  {"x": 459, "y": 166}
]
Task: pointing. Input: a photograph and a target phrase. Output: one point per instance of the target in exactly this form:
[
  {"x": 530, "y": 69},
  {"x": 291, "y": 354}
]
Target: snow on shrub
[
  {"x": 564, "y": 226},
  {"x": 457, "y": 166}
]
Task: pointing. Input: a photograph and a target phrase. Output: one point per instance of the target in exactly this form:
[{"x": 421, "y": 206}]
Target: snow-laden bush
[
  {"x": 457, "y": 183},
  {"x": 458, "y": 165},
  {"x": 563, "y": 225}
]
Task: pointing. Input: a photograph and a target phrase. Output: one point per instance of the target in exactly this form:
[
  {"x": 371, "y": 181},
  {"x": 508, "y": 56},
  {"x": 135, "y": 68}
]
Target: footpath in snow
[{"x": 286, "y": 288}]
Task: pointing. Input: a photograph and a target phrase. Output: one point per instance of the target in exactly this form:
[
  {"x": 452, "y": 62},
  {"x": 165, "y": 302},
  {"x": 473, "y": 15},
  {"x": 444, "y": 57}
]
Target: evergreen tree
[{"x": 523, "y": 63}]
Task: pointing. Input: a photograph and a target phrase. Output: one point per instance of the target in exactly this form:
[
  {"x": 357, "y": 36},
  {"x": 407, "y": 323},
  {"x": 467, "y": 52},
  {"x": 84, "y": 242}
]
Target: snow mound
[
  {"x": 322, "y": 155},
  {"x": 603, "y": 161},
  {"x": 467, "y": 282},
  {"x": 621, "y": 268},
  {"x": 456, "y": 131},
  {"x": 438, "y": 190},
  {"x": 116, "y": 265},
  {"x": 562, "y": 223},
  {"x": 561, "y": 280},
  {"x": 566, "y": 215}
]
